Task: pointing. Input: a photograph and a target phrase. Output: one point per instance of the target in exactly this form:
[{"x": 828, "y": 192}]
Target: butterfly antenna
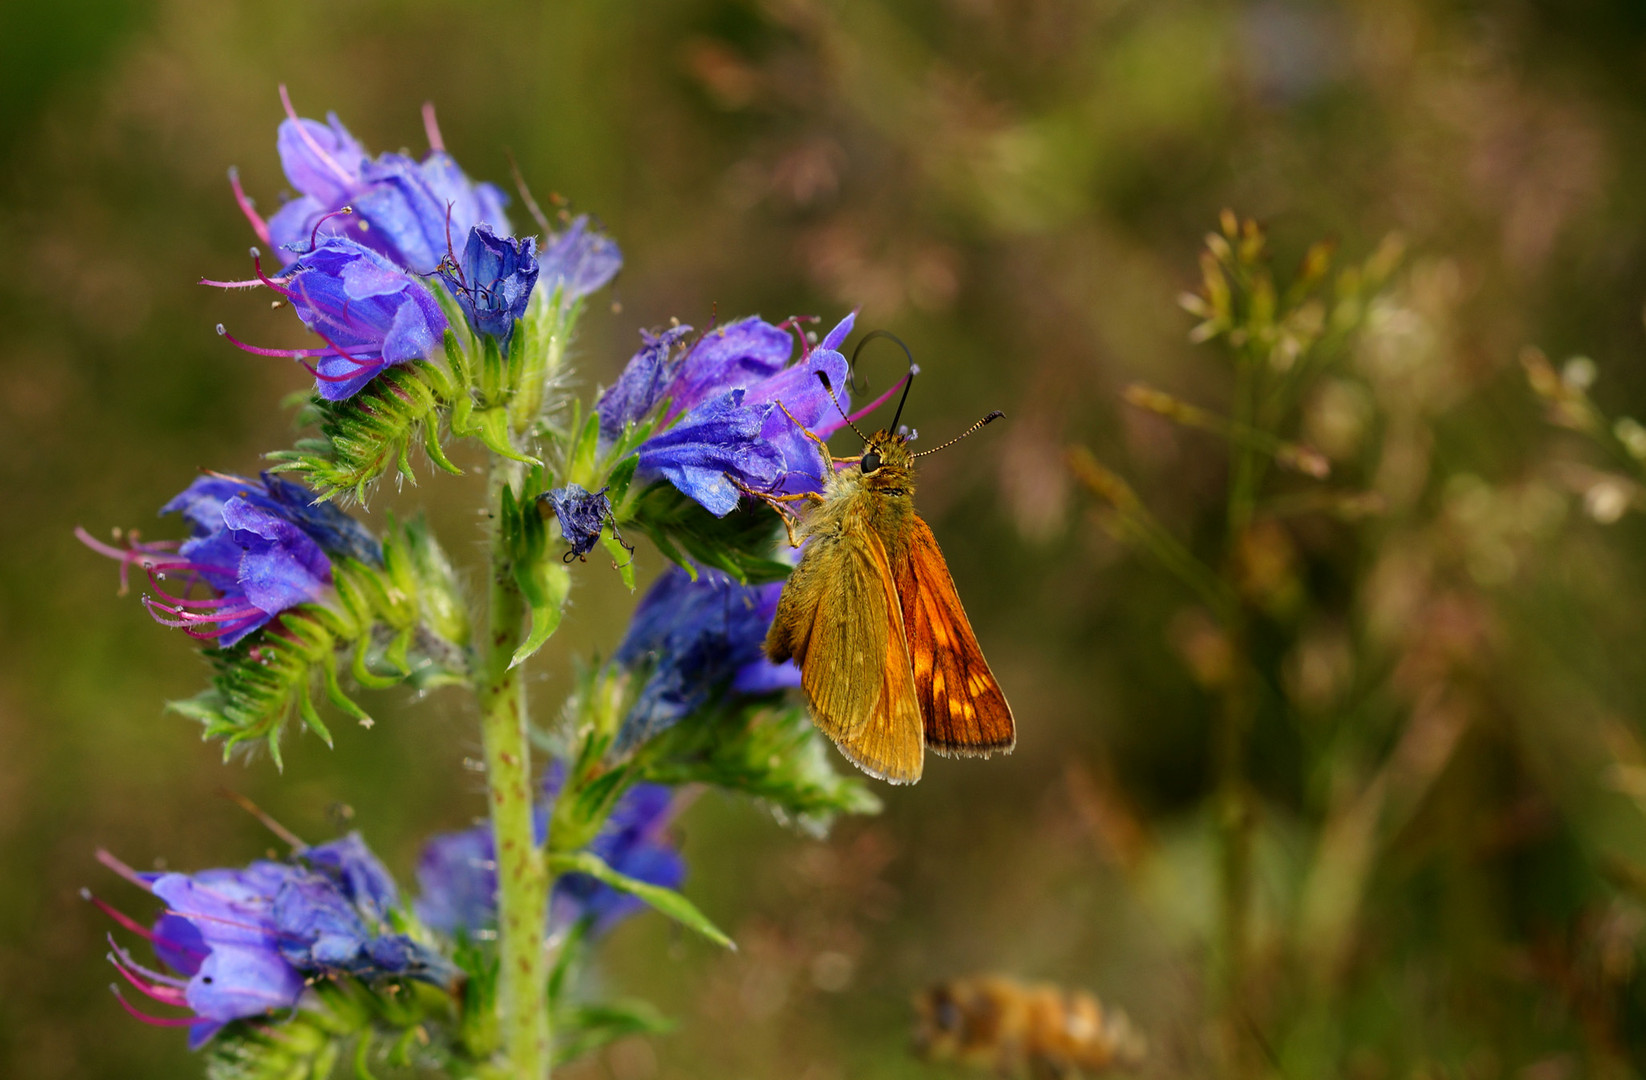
[
  {"x": 823, "y": 378},
  {"x": 991, "y": 418},
  {"x": 913, "y": 369}
]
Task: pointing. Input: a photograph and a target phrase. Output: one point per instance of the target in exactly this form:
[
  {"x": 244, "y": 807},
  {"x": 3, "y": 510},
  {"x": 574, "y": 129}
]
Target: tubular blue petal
[{"x": 643, "y": 382}]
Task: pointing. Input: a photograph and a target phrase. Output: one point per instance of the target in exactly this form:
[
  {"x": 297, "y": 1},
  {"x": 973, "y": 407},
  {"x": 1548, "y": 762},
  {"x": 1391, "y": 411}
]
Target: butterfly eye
[{"x": 871, "y": 461}]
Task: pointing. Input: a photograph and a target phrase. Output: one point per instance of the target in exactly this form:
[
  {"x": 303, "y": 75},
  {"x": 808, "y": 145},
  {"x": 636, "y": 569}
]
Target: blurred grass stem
[
  {"x": 1235, "y": 818},
  {"x": 522, "y": 872}
]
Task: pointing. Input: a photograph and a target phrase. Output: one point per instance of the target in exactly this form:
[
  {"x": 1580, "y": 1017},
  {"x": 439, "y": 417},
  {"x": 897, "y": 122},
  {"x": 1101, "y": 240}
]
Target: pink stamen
[
  {"x": 150, "y": 974},
  {"x": 166, "y": 995},
  {"x": 257, "y": 268},
  {"x": 156, "y": 1021},
  {"x": 431, "y": 127},
  {"x": 257, "y": 350},
  {"x": 147, "y": 556},
  {"x": 125, "y": 921},
  {"x": 303, "y": 133},
  {"x": 250, "y": 283},
  {"x": 258, "y": 225},
  {"x": 879, "y": 401},
  {"x": 108, "y": 859},
  {"x": 793, "y": 322},
  {"x": 314, "y": 237}
]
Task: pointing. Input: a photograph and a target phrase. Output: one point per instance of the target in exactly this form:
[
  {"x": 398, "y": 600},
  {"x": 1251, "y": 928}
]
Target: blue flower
[
  {"x": 727, "y": 431},
  {"x": 369, "y": 312},
  {"x": 578, "y": 260},
  {"x": 715, "y": 451},
  {"x": 457, "y": 872},
  {"x": 493, "y": 282},
  {"x": 403, "y": 208},
  {"x": 693, "y": 640},
  {"x": 582, "y": 514},
  {"x": 645, "y": 381},
  {"x": 261, "y": 546},
  {"x": 243, "y": 942}
]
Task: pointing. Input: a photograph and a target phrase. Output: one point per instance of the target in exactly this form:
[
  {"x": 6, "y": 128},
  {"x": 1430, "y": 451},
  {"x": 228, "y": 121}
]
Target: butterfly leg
[
  {"x": 777, "y": 502},
  {"x": 822, "y": 447}
]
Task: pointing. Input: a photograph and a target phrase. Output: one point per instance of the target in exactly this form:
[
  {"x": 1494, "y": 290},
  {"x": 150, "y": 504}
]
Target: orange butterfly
[{"x": 887, "y": 657}]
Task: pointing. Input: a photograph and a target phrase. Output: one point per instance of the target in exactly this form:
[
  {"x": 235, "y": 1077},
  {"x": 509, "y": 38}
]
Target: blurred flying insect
[
  {"x": 887, "y": 657},
  {"x": 1039, "y": 1031}
]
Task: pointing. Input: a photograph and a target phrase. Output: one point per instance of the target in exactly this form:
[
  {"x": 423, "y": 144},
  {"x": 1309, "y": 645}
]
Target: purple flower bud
[
  {"x": 261, "y": 546},
  {"x": 696, "y": 639},
  {"x": 493, "y": 282}
]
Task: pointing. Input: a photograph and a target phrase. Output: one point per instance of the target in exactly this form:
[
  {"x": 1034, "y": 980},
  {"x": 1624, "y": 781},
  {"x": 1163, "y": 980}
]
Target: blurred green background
[{"x": 1447, "y": 761}]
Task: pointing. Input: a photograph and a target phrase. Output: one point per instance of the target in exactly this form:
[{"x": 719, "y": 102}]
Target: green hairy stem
[{"x": 522, "y": 872}]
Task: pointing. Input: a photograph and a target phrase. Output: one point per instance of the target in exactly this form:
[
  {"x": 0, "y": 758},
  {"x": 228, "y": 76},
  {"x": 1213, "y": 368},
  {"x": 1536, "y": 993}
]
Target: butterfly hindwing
[
  {"x": 964, "y": 709},
  {"x": 839, "y": 619}
]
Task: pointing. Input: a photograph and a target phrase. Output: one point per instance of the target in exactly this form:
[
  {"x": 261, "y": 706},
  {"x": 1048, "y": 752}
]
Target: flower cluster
[
  {"x": 457, "y": 872},
  {"x": 431, "y": 320},
  {"x": 246, "y": 943},
  {"x": 737, "y": 410},
  {"x": 260, "y": 546},
  {"x": 692, "y": 639},
  {"x": 365, "y": 237}
]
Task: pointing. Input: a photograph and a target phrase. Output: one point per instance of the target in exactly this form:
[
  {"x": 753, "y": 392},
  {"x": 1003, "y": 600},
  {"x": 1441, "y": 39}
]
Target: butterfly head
[{"x": 886, "y": 459}]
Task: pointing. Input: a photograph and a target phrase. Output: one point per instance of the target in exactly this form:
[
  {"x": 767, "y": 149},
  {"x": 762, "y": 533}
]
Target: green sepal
[
  {"x": 368, "y": 435},
  {"x": 622, "y": 557},
  {"x": 402, "y": 622},
  {"x": 767, "y": 751},
  {"x": 667, "y": 901},
  {"x": 582, "y": 1029},
  {"x": 539, "y": 349},
  {"x": 621, "y": 476},
  {"x": 491, "y": 426},
  {"x": 743, "y": 543},
  {"x": 544, "y": 581}
]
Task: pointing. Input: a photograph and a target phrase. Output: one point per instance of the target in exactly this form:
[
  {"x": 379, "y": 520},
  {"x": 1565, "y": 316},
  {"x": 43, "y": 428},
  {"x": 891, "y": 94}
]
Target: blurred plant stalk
[{"x": 1276, "y": 342}]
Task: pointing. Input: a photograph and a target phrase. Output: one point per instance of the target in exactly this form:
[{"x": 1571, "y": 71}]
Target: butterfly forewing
[
  {"x": 840, "y": 620},
  {"x": 964, "y": 710}
]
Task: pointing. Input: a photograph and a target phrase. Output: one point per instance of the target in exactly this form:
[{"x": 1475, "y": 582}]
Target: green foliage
[
  {"x": 370, "y": 434},
  {"x": 667, "y": 901},
  {"x": 402, "y": 623},
  {"x": 398, "y": 1024},
  {"x": 743, "y": 543},
  {"x": 769, "y": 752},
  {"x": 582, "y": 1029}
]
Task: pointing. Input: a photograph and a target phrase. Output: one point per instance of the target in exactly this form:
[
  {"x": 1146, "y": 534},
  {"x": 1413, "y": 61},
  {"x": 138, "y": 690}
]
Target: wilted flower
[
  {"x": 725, "y": 431},
  {"x": 694, "y": 639},
  {"x": 582, "y": 514},
  {"x": 457, "y": 872},
  {"x": 261, "y": 546},
  {"x": 242, "y": 942},
  {"x": 370, "y": 313},
  {"x": 493, "y": 281},
  {"x": 403, "y": 208}
]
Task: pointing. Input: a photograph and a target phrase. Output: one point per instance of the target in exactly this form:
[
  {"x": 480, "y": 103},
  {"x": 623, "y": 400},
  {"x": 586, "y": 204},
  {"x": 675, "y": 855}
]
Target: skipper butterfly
[{"x": 870, "y": 615}]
